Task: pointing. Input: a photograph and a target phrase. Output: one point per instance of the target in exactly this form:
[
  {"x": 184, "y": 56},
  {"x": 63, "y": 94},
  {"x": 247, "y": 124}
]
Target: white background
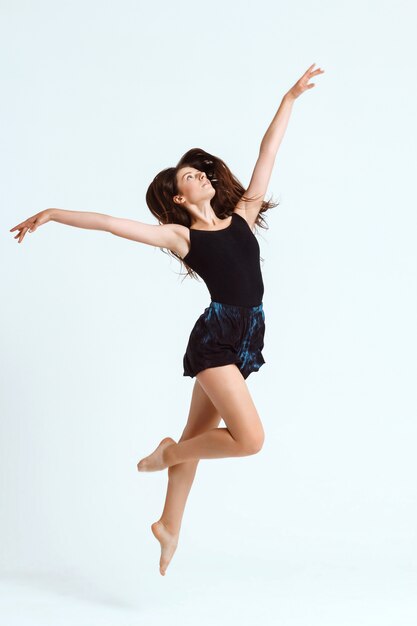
[{"x": 320, "y": 526}]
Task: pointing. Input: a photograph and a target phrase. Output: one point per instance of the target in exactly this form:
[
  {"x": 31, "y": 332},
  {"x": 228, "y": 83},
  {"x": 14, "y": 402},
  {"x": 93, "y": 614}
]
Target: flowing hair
[{"x": 229, "y": 191}]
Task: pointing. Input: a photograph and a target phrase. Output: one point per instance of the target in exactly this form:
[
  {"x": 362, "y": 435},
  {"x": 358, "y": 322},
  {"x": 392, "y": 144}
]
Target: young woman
[{"x": 206, "y": 219}]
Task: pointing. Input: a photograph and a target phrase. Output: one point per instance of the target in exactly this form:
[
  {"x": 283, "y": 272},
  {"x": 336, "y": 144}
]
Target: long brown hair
[{"x": 229, "y": 190}]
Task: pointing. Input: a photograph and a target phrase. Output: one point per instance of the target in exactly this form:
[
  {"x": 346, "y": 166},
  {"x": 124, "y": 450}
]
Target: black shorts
[{"x": 223, "y": 334}]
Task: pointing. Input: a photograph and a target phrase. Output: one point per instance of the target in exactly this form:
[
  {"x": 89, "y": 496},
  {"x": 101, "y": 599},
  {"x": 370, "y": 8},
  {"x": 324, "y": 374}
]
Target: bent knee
[{"x": 254, "y": 444}]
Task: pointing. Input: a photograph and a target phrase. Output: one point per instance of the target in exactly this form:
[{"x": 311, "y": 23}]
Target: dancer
[{"x": 207, "y": 221}]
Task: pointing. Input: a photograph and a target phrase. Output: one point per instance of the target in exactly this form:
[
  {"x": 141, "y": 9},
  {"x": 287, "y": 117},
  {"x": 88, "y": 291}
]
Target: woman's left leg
[{"x": 243, "y": 435}]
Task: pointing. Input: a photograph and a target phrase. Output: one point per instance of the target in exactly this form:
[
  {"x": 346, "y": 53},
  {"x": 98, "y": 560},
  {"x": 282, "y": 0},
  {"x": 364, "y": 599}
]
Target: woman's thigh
[
  {"x": 202, "y": 415},
  {"x": 229, "y": 393}
]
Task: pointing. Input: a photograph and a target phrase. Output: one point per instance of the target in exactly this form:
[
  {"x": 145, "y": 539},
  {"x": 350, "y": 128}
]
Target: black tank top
[{"x": 228, "y": 260}]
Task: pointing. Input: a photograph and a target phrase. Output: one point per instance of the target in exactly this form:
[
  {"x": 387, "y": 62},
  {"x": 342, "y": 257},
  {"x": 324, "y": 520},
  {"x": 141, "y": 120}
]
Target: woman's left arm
[{"x": 270, "y": 143}]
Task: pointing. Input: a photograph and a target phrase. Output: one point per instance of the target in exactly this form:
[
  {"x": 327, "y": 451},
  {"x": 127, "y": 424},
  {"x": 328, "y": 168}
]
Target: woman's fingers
[
  {"x": 28, "y": 222},
  {"x": 311, "y": 72},
  {"x": 302, "y": 84},
  {"x": 22, "y": 232},
  {"x": 26, "y": 230},
  {"x": 22, "y": 228},
  {"x": 308, "y": 75},
  {"x": 21, "y": 225}
]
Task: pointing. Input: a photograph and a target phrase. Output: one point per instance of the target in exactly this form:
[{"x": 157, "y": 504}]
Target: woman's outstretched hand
[
  {"x": 31, "y": 224},
  {"x": 302, "y": 84}
]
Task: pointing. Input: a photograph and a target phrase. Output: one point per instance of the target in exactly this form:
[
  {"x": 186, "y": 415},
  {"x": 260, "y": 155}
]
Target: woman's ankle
[
  {"x": 173, "y": 529},
  {"x": 168, "y": 455}
]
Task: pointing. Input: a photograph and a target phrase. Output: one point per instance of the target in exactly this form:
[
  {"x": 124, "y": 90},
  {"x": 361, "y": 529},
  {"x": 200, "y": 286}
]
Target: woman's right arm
[
  {"x": 82, "y": 219},
  {"x": 169, "y": 236}
]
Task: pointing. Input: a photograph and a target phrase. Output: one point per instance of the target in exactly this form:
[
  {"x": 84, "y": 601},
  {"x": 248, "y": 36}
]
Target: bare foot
[
  {"x": 168, "y": 541},
  {"x": 155, "y": 461}
]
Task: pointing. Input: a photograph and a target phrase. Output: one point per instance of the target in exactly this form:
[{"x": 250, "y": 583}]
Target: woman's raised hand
[
  {"x": 302, "y": 84},
  {"x": 31, "y": 224}
]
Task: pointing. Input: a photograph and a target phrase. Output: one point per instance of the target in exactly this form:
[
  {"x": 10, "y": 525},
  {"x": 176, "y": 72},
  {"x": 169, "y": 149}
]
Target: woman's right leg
[
  {"x": 219, "y": 391},
  {"x": 202, "y": 416}
]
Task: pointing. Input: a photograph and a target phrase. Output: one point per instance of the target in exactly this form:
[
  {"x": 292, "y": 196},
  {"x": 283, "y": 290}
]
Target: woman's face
[{"x": 194, "y": 185}]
